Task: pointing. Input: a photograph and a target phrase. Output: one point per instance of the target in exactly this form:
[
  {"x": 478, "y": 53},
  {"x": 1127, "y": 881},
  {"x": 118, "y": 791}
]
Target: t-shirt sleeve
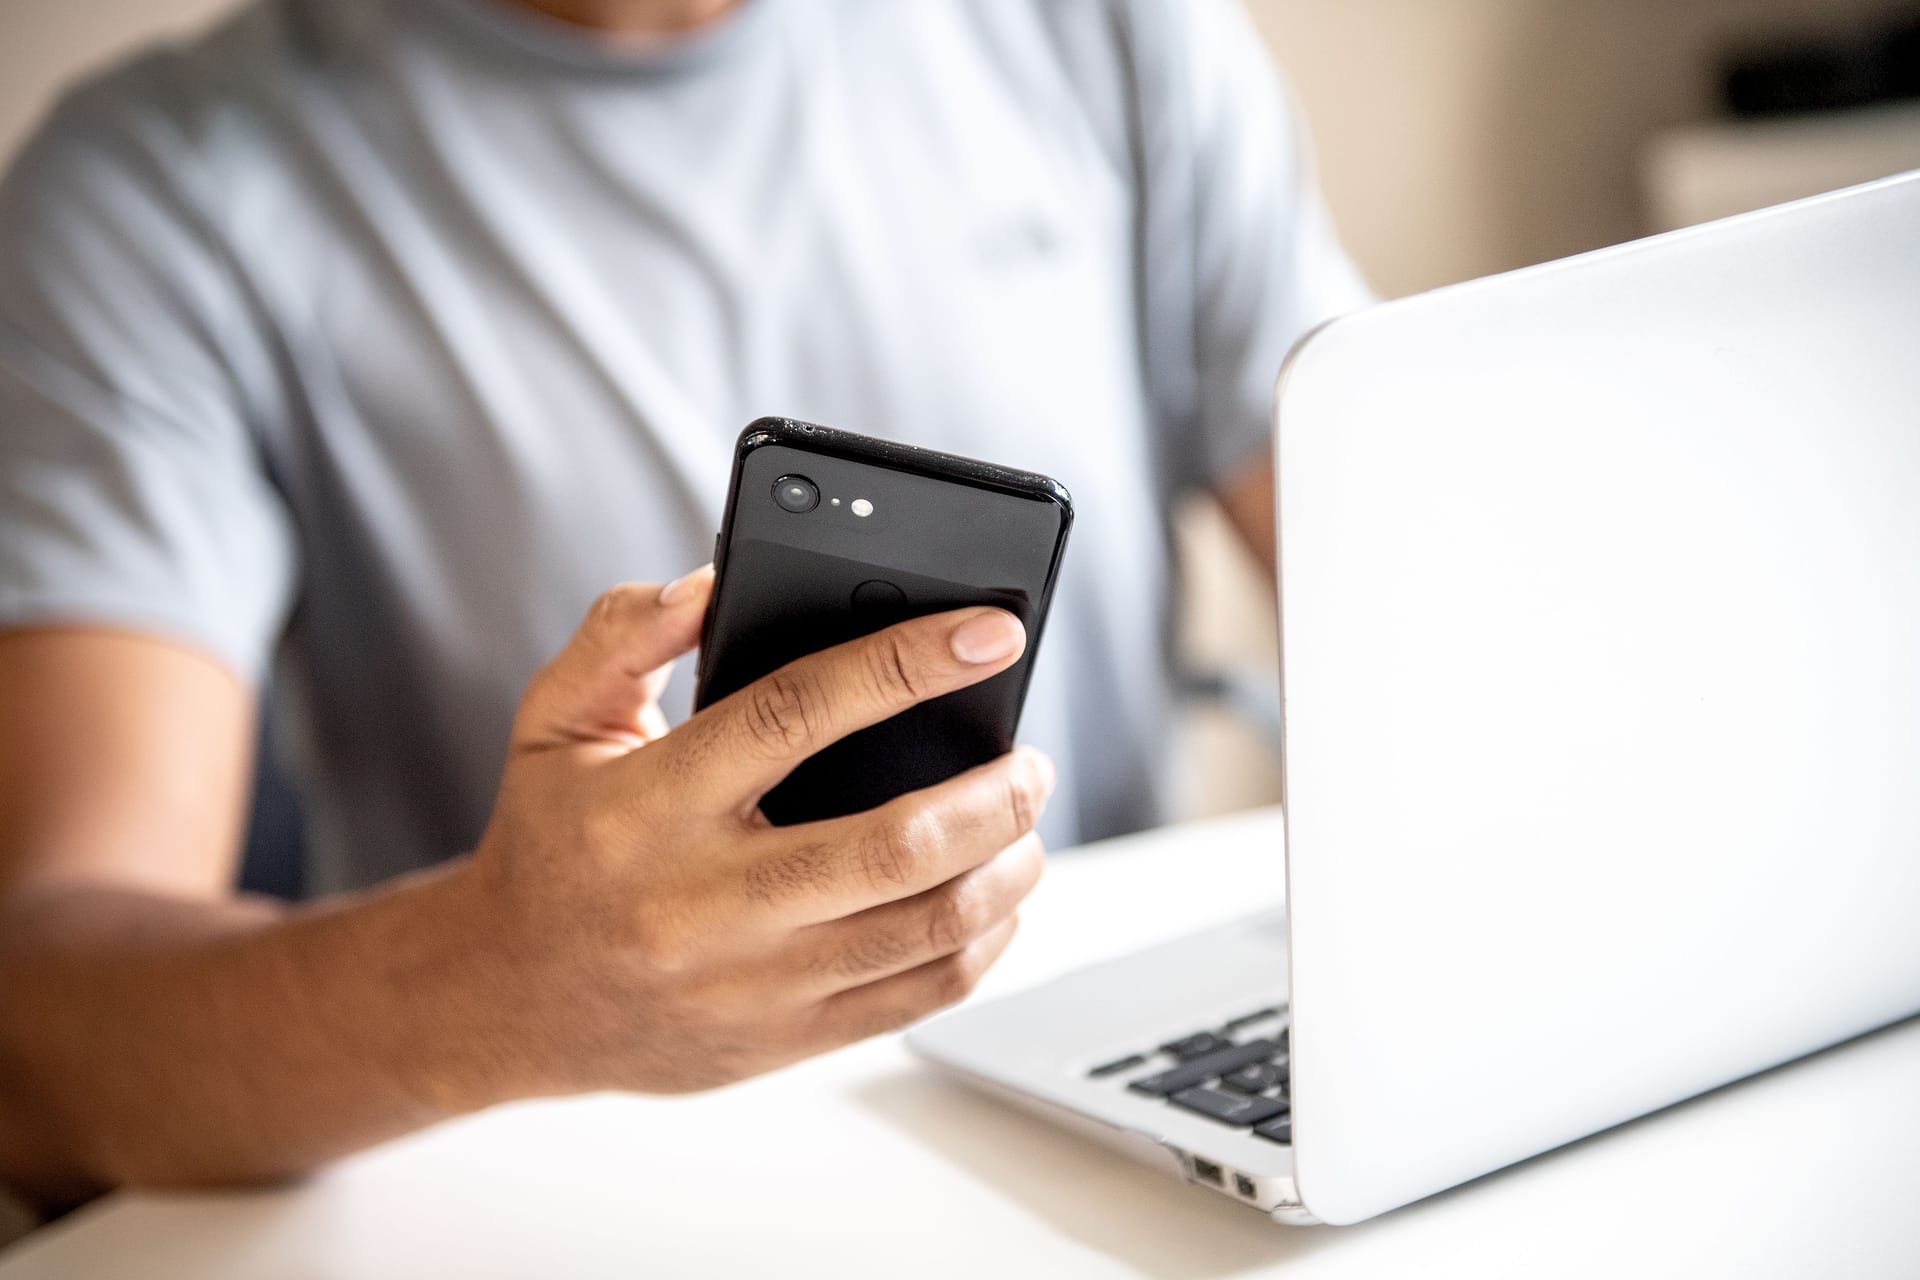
[
  {"x": 132, "y": 490},
  {"x": 1266, "y": 266}
]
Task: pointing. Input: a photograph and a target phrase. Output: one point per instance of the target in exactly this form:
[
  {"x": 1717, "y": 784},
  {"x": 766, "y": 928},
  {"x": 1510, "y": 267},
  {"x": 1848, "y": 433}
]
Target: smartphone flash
[{"x": 861, "y": 507}]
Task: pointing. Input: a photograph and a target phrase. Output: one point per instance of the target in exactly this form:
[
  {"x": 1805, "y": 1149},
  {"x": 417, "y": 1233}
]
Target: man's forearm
[
  {"x": 158, "y": 1041},
  {"x": 1248, "y": 498},
  {"x": 628, "y": 919}
]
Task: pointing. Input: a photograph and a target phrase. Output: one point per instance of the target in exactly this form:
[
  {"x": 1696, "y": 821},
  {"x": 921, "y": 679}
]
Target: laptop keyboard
[{"x": 1237, "y": 1074}]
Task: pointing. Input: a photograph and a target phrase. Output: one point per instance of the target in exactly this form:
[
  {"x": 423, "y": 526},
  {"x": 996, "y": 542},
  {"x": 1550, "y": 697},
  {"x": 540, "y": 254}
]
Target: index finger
[{"x": 747, "y": 742}]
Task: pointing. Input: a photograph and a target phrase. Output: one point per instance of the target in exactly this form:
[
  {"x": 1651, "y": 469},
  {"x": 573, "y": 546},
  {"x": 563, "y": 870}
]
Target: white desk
[{"x": 862, "y": 1163}]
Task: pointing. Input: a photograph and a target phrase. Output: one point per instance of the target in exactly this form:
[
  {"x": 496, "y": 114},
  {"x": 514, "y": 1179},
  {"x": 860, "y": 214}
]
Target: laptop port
[
  {"x": 1208, "y": 1171},
  {"x": 1244, "y": 1185}
]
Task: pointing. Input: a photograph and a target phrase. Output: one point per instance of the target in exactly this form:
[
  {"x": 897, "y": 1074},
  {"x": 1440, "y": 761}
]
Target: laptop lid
[{"x": 1601, "y": 631}]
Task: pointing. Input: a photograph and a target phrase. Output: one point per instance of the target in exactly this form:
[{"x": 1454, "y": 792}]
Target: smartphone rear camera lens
[{"x": 796, "y": 494}]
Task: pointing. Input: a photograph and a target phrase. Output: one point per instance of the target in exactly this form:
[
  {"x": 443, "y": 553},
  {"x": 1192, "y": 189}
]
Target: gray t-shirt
[{"x": 366, "y": 341}]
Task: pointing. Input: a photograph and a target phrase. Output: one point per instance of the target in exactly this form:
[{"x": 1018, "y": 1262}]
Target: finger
[
  {"x": 821, "y": 871},
  {"x": 898, "y": 936},
  {"x": 905, "y": 998},
  {"x": 745, "y": 743},
  {"x": 602, "y": 687}
]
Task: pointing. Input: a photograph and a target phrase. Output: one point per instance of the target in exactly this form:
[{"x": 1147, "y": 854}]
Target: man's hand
[
  {"x": 629, "y": 920},
  {"x": 666, "y": 936}
]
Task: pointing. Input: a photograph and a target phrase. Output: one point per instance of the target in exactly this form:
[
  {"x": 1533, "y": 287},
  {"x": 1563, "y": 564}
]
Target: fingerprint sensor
[{"x": 878, "y": 593}]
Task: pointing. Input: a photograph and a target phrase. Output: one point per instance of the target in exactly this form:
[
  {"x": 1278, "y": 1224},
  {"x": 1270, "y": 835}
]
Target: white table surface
[{"x": 862, "y": 1163}]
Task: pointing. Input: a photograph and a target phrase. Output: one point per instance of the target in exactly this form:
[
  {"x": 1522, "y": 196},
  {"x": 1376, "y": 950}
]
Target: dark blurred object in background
[{"x": 1881, "y": 66}]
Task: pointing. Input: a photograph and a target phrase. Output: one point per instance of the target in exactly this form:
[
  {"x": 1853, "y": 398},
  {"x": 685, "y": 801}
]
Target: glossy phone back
[{"x": 892, "y": 532}]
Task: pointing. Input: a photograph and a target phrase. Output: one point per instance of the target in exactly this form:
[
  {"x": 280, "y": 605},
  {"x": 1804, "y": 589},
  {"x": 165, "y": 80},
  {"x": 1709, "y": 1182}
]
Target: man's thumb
[{"x": 602, "y": 689}]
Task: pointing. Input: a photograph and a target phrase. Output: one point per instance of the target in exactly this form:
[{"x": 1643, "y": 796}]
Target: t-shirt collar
[{"x": 522, "y": 30}]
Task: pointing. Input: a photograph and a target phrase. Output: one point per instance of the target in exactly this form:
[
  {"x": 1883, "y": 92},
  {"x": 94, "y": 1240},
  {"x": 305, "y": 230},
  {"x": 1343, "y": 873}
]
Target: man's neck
[{"x": 623, "y": 18}]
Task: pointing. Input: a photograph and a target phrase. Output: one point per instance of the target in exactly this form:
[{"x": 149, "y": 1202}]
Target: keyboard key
[
  {"x": 1286, "y": 1039},
  {"x": 1279, "y": 1129},
  {"x": 1256, "y": 1077},
  {"x": 1193, "y": 1046},
  {"x": 1258, "y": 1015},
  {"x": 1118, "y": 1065},
  {"x": 1201, "y": 1070},
  {"x": 1233, "y": 1108}
]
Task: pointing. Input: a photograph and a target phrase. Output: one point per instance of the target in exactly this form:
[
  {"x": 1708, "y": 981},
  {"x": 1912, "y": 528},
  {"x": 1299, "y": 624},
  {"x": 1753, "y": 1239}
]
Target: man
[{"x": 370, "y": 340}]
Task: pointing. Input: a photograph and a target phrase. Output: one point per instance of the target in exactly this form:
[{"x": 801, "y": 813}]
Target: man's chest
[
  {"x": 559, "y": 295},
  {"x": 521, "y": 342}
]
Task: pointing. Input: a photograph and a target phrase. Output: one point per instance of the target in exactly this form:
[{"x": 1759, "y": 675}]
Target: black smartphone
[{"x": 828, "y": 536}]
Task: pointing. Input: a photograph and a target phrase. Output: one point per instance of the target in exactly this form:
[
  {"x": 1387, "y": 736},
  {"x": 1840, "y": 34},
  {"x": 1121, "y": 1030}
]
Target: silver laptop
[{"x": 1600, "y": 611}]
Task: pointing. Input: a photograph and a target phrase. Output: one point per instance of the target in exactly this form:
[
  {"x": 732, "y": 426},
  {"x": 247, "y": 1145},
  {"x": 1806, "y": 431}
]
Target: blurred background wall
[
  {"x": 45, "y": 43},
  {"x": 1462, "y": 137},
  {"x": 1455, "y": 138}
]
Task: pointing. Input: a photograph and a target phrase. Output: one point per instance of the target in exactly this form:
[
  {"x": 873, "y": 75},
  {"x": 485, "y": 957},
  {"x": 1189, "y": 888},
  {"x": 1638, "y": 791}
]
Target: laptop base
[{"x": 1079, "y": 1050}]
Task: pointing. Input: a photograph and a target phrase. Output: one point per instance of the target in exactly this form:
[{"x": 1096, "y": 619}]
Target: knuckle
[
  {"x": 872, "y": 951},
  {"x": 685, "y": 758},
  {"x": 954, "y": 916},
  {"x": 1023, "y": 797},
  {"x": 778, "y": 711},
  {"x": 953, "y": 980},
  {"x": 613, "y": 607},
  {"x": 890, "y": 858},
  {"x": 792, "y": 871},
  {"x": 891, "y": 669}
]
